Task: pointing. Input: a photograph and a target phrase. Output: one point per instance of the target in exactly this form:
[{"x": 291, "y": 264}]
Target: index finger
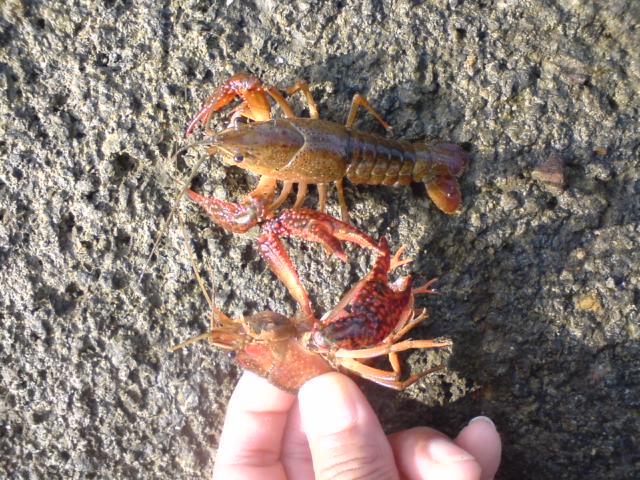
[{"x": 251, "y": 441}]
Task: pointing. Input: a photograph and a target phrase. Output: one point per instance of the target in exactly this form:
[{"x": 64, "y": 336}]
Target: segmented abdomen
[{"x": 377, "y": 160}]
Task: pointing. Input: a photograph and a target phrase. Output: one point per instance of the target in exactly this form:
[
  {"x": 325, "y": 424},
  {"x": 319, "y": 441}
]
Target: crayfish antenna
[
  {"x": 197, "y": 338},
  {"x": 194, "y": 266},
  {"x": 206, "y": 335},
  {"x": 176, "y": 201},
  {"x": 219, "y": 319}
]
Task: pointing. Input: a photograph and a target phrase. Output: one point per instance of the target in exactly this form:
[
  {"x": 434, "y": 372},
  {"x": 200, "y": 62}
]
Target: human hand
[{"x": 330, "y": 432}]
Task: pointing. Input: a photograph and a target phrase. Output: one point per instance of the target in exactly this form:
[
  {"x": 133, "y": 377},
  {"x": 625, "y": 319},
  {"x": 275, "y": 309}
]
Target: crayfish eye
[
  {"x": 238, "y": 157},
  {"x": 235, "y": 123}
]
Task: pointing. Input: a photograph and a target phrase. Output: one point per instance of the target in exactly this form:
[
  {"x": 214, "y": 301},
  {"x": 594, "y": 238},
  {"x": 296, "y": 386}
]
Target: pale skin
[{"x": 329, "y": 431}]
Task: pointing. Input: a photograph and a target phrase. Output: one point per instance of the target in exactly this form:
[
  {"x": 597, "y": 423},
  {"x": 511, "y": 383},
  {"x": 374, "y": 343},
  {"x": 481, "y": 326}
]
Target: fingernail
[
  {"x": 328, "y": 404},
  {"x": 484, "y": 419},
  {"x": 445, "y": 452}
]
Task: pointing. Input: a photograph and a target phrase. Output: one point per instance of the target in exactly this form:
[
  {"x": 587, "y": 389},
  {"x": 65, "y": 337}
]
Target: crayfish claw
[
  {"x": 396, "y": 261},
  {"x": 272, "y": 251},
  {"x": 254, "y": 106},
  {"x": 235, "y": 217},
  {"x": 426, "y": 288}
]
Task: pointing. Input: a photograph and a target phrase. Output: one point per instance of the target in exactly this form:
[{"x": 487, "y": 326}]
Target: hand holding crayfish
[{"x": 330, "y": 431}]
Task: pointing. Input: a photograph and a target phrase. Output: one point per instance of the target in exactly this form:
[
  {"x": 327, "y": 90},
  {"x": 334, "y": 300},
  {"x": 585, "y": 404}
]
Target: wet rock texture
[{"x": 540, "y": 286}]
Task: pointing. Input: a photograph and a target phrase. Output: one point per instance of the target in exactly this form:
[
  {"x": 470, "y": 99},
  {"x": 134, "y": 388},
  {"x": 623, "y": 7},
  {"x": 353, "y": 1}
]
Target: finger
[
  {"x": 481, "y": 439},
  {"x": 296, "y": 455},
  {"x": 251, "y": 440},
  {"x": 344, "y": 434},
  {"x": 425, "y": 453}
]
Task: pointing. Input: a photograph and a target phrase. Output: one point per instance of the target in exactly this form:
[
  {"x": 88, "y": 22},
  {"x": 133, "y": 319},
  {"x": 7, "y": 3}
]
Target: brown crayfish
[{"x": 314, "y": 151}]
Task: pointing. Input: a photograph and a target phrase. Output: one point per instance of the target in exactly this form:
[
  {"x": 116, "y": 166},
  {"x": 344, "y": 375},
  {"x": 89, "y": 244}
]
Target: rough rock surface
[{"x": 540, "y": 286}]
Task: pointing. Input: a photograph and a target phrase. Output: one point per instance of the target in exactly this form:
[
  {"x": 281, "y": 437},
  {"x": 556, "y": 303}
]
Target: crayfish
[
  {"x": 368, "y": 322},
  {"x": 314, "y": 151}
]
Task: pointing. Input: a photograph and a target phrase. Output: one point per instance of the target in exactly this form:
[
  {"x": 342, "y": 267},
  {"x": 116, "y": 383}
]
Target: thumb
[{"x": 344, "y": 434}]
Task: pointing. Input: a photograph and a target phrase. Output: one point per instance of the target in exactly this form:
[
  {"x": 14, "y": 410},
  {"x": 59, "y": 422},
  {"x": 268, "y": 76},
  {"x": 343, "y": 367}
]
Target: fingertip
[
  {"x": 331, "y": 392},
  {"x": 344, "y": 434},
  {"x": 251, "y": 441},
  {"x": 254, "y": 393},
  {"x": 481, "y": 439},
  {"x": 423, "y": 452}
]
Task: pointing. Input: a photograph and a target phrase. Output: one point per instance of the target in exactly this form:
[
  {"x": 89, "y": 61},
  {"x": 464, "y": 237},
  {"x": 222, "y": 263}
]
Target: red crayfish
[{"x": 368, "y": 322}]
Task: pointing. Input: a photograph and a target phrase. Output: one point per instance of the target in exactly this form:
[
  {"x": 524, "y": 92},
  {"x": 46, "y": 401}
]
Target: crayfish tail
[
  {"x": 438, "y": 165},
  {"x": 444, "y": 191}
]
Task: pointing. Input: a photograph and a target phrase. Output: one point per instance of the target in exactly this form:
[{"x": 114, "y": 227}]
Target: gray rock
[{"x": 539, "y": 290}]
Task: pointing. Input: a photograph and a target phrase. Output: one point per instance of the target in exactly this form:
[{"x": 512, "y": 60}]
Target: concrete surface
[{"x": 540, "y": 282}]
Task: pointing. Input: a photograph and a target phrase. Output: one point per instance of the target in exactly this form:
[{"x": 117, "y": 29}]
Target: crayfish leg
[
  {"x": 322, "y": 197},
  {"x": 282, "y": 103},
  {"x": 409, "y": 325},
  {"x": 404, "y": 384},
  {"x": 426, "y": 288},
  {"x": 360, "y": 101},
  {"x": 397, "y": 261},
  {"x": 300, "y": 196},
  {"x": 282, "y": 196},
  {"x": 303, "y": 86},
  {"x": 344, "y": 209},
  {"x": 394, "y": 361},
  {"x": 419, "y": 345},
  {"x": 386, "y": 349},
  {"x": 383, "y": 377}
]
